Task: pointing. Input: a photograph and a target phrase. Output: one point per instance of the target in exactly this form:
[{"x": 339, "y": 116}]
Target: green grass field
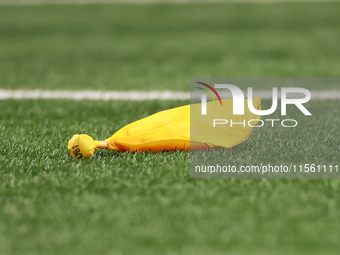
[
  {"x": 146, "y": 203},
  {"x": 159, "y": 47}
]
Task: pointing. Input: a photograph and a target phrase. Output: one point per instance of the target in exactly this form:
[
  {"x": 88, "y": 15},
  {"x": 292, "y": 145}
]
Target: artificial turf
[
  {"x": 146, "y": 203},
  {"x": 160, "y": 47}
]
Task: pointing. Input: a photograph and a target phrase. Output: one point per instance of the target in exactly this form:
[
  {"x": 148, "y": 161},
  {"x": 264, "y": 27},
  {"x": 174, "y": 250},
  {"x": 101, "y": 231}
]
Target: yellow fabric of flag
[{"x": 170, "y": 130}]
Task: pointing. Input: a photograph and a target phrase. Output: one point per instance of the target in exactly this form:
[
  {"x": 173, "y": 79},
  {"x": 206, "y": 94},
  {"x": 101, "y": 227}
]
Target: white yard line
[
  {"x": 93, "y": 95},
  {"x": 133, "y": 95},
  {"x": 59, "y": 2}
]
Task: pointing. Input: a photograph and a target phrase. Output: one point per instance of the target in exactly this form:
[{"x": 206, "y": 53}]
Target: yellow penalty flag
[{"x": 170, "y": 130}]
